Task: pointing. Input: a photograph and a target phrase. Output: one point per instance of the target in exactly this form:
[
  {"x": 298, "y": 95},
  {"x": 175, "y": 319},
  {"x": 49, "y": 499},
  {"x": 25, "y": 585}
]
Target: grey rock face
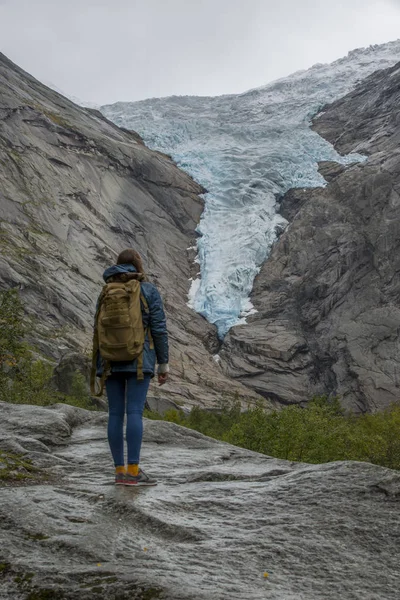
[
  {"x": 328, "y": 316},
  {"x": 218, "y": 520},
  {"x": 74, "y": 191},
  {"x": 161, "y": 405}
]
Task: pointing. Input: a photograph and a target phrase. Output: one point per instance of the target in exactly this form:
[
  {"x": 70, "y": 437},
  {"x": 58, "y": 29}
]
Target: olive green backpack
[{"x": 119, "y": 334}]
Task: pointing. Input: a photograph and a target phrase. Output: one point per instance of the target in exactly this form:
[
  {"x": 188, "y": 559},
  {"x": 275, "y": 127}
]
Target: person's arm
[{"x": 158, "y": 328}]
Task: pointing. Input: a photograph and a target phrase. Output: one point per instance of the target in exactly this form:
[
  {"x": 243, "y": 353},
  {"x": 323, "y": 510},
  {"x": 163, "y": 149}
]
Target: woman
[{"x": 127, "y": 383}]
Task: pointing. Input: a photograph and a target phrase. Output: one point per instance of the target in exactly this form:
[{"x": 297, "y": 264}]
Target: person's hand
[{"x": 162, "y": 378}]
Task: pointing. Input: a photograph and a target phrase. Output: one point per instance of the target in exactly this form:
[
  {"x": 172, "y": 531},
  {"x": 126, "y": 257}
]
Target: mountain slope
[
  {"x": 75, "y": 190},
  {"x": 328, "y": 316}
]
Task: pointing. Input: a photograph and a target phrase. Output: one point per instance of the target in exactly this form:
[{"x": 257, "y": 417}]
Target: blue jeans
[{"x": 121, "y": 386}]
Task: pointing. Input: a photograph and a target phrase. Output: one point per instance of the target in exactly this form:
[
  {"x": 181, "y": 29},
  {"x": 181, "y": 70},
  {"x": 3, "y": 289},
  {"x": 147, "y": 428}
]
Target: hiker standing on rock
[{"x": 130, "y": 333}]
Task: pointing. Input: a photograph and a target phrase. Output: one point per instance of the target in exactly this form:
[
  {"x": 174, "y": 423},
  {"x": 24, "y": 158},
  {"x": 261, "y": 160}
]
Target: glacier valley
[{"x": 247, "y": 150}]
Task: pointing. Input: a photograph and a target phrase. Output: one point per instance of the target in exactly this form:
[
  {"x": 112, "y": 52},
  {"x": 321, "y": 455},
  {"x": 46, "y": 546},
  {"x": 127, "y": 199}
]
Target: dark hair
[{"x": 131, "y": 257}]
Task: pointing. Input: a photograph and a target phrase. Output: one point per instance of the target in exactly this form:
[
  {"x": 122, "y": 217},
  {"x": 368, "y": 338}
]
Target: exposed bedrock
[
  {"x": 328, "y": 307},
  {"x": 223, "y": 523},
  {"x": 74, "y": 191}
]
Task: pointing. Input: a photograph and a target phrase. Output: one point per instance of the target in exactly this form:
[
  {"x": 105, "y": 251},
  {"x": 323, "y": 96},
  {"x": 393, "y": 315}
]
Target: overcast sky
[{"x": 102, "y": 51}]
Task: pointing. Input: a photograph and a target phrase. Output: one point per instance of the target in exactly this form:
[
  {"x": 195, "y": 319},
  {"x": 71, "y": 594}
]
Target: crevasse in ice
[{"x": 246, "y": 150}]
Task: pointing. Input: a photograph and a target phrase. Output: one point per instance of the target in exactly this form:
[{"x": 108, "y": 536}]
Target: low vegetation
[
  {"x": 320, "y": 433},
  {"x": 14, "y": 468},
  {"x": 25, "y": 379}
]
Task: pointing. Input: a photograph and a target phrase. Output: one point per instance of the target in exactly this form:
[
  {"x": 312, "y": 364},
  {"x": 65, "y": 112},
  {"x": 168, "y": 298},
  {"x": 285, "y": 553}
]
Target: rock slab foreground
[{"x": 223, "y": 522}]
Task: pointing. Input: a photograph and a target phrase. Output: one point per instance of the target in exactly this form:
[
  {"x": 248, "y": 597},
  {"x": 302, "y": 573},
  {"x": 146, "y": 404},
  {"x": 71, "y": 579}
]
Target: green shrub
[
  {"x": 12, "y": 329},
  {"x": 314, "y": 434},
  {"x": 377, "y": 438},
  {"x": 319, "y": 433},
  {"x": 23, "y": 379}
]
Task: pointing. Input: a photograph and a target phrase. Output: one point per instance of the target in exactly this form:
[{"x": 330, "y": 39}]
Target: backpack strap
[
  {"x": 106, "y": 366},
  {"x": 151, "y": 343},
  {"x": 144, "y": 302},
  {"x": 147, "y": 310},
  {"x": 106, "y": 369},
  {"x": 94, "y": 363},
  {"x": 139, "y": 371},
  {"x": 147, "y": 332},
  {"x": 105, "y": 374}
]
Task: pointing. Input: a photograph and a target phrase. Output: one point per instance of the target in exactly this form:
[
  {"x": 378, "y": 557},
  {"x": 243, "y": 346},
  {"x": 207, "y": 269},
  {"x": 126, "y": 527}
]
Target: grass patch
[
  {"x": 4, "y": 569},
  {"x": 15, "y": 468},
  {"x": 54, "y": 117},
  {"x": 57, "y": 119},
  {"x": 322, "y": 432},
  {"x": 45, "y": 594},
  {"x": 24, "y": 584},
  {"x": 151, "y": 594}
]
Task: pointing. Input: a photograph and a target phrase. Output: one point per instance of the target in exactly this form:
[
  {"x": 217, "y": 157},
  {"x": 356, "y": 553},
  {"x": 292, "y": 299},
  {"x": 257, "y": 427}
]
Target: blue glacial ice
[{"x": 246, "y": 150}]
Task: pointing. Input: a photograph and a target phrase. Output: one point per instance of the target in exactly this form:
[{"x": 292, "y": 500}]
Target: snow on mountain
[{"x": 246, "y": 150}]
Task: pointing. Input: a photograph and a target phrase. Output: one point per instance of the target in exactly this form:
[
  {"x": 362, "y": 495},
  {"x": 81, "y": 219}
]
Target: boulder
[
  {"x": 161, "y": 405},
  {"x": 65, "y": 373}
]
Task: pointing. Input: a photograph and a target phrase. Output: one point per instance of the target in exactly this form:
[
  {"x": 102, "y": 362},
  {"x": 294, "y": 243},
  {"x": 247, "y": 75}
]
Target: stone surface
[
  {"x": 328, "y": 317},
  {"x": 74, "y": 191},
  {"x": 218, "y": 520},
  {"x": 161, "y": 405}
]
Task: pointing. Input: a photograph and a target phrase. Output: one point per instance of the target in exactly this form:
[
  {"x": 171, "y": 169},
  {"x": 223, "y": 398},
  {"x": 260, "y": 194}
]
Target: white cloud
[{"x": 103, "y": 50}]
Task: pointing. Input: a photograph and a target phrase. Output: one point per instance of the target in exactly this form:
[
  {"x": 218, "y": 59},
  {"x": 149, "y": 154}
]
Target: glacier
[{"x": 247, "y": 150}]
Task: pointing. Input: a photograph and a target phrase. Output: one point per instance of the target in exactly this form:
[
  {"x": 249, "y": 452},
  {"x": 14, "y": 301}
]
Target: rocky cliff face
[
  {"x": 75, "y": 190},
  {"x": 328, "y": 316},
  {"x": 223, "y": 524}
]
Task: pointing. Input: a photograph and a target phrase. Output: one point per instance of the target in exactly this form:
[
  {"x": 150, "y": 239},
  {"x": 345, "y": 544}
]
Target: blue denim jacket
[{"x": 154, "y": 319}]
